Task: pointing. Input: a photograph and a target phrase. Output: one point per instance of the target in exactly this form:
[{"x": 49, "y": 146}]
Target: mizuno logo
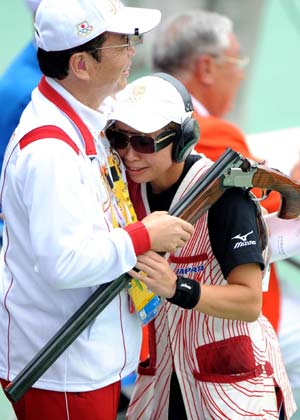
[
  {"x": 242, "y": 237},
  {"x": 243, "y": 240}
]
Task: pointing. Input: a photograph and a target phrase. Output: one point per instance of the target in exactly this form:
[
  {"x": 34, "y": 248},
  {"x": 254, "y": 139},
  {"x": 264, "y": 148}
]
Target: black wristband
[{"x": 187, "y": 293}]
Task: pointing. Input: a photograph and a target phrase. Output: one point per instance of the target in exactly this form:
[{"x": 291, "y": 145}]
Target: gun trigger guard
[{"x": 263, "y": 197}]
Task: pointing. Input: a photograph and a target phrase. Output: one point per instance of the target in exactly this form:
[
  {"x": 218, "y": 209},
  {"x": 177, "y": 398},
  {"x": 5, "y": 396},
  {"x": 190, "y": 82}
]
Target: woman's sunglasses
[{"x": 141, "y": 143}]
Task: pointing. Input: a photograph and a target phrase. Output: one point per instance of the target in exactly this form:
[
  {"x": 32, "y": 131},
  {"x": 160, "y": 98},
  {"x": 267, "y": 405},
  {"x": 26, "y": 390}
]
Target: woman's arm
[{"x": 240, "y": 298}]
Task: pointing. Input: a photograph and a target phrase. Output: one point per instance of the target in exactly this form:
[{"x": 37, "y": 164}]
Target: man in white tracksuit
[{"x": 69, "y": 224}]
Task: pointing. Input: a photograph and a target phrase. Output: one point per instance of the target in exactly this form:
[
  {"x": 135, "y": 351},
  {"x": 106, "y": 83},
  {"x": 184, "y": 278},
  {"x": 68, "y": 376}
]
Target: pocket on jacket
[{"x": 226, "y": 361}]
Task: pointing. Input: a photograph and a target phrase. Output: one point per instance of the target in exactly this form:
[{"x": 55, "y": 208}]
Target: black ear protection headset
[{"x": 189, "y": 131}]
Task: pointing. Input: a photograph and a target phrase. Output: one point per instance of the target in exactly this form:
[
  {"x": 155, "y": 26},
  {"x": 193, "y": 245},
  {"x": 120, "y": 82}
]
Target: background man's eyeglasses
[
  {"x": 240, "y": 62},
  {"x": 131, "y": 41},
  {"x": 141, "y": 143}
]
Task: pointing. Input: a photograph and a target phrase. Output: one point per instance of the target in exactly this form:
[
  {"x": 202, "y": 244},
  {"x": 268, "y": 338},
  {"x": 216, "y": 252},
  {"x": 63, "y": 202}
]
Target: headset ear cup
[
  {"x": 189, "y": 133},
  {"x": 187, "y": 138}
]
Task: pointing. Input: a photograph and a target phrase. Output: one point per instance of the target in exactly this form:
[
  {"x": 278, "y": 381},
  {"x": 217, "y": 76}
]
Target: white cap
[
  {"x": 149, "y": 104},
  {"x": 32, "y": 4},
  {"x": 64, "y": 24}
]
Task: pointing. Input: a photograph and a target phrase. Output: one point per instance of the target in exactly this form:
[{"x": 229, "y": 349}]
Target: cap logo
[
  {"x": 114, "y": 5},
  {"x": 136, "y": 93},
  {"x": 84, "y": 28}
]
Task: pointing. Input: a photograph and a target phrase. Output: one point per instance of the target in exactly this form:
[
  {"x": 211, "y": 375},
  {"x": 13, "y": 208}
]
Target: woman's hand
[{"x": 155, "y": 272}]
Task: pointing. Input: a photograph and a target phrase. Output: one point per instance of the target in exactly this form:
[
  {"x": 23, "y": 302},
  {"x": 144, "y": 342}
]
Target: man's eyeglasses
[
  {"x": 141, "y": 143},
  {"x": 240, "y": 62},
  {"x": 131, "y": 41}
]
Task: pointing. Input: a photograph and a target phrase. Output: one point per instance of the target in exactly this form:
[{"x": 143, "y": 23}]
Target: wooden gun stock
[{"x": 265, "y": 178}]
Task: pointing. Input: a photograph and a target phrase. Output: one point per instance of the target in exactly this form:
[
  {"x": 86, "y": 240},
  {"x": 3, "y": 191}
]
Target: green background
[{"x": 272, "y": 93}]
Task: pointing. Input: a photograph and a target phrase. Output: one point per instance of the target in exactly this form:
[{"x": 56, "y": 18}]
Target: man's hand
[
  {"x": 156, "y": 273},
  {"x": 167, "y": 233}
]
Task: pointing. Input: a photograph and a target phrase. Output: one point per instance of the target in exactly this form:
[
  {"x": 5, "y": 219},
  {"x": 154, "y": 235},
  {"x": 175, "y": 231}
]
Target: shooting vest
[{"x": 225, "y": 368}]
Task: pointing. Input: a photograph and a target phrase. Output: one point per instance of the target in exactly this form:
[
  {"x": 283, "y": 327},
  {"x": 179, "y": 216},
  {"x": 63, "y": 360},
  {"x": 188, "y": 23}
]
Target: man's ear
[
  {"x": 205, "y": 67},
  {"x": 79, "y": 65}
]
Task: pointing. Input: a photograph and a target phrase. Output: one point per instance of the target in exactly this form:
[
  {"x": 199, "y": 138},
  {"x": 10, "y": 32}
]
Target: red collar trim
[{"x": 64, "y": 106}]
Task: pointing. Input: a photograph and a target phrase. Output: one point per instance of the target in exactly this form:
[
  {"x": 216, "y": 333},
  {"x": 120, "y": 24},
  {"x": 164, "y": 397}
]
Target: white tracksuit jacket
[{"x": 59, "y": 245}]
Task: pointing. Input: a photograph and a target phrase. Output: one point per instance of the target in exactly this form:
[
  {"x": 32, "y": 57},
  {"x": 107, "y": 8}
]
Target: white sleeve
[{"x": 284, "y": 237}]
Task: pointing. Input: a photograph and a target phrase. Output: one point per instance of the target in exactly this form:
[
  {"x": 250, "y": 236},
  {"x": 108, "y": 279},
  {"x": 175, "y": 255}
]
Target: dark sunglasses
[{"x": 141, "y": 143}]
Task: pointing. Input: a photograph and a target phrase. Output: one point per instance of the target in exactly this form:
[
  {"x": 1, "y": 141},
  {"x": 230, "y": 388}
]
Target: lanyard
[{"x": 122, "y": 210}]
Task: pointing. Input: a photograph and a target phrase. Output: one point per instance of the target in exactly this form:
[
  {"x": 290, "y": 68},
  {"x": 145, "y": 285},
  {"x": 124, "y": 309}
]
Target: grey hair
[{"x": 186, "y": 36}]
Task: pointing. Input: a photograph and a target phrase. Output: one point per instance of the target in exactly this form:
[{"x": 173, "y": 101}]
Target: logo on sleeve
[
  {"x": 243, "y": 240},
  {"x": 186, "y": 286}
]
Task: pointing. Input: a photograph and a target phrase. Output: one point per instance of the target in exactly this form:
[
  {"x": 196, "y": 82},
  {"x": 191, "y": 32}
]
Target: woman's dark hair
[
  {"x": 173, "y": 126},
  {"x": 56, "y": 63}
]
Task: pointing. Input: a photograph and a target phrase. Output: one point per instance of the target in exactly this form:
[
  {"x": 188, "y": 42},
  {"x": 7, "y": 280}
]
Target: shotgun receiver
[
  {"x": 247, "y": 174},
  {"x": 252, "y": 174},
  {"x": 230, "y": 170}
]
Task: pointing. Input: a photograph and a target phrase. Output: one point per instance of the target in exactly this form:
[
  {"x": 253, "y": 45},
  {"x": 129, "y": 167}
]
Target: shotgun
[
  {"x": 252, "y": 174},
  {"x": 230, "y": 170}
]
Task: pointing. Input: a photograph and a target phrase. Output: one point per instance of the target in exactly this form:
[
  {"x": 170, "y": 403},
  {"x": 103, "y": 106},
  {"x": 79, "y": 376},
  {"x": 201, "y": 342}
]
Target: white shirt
[{"x": 199, "y": 108}]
